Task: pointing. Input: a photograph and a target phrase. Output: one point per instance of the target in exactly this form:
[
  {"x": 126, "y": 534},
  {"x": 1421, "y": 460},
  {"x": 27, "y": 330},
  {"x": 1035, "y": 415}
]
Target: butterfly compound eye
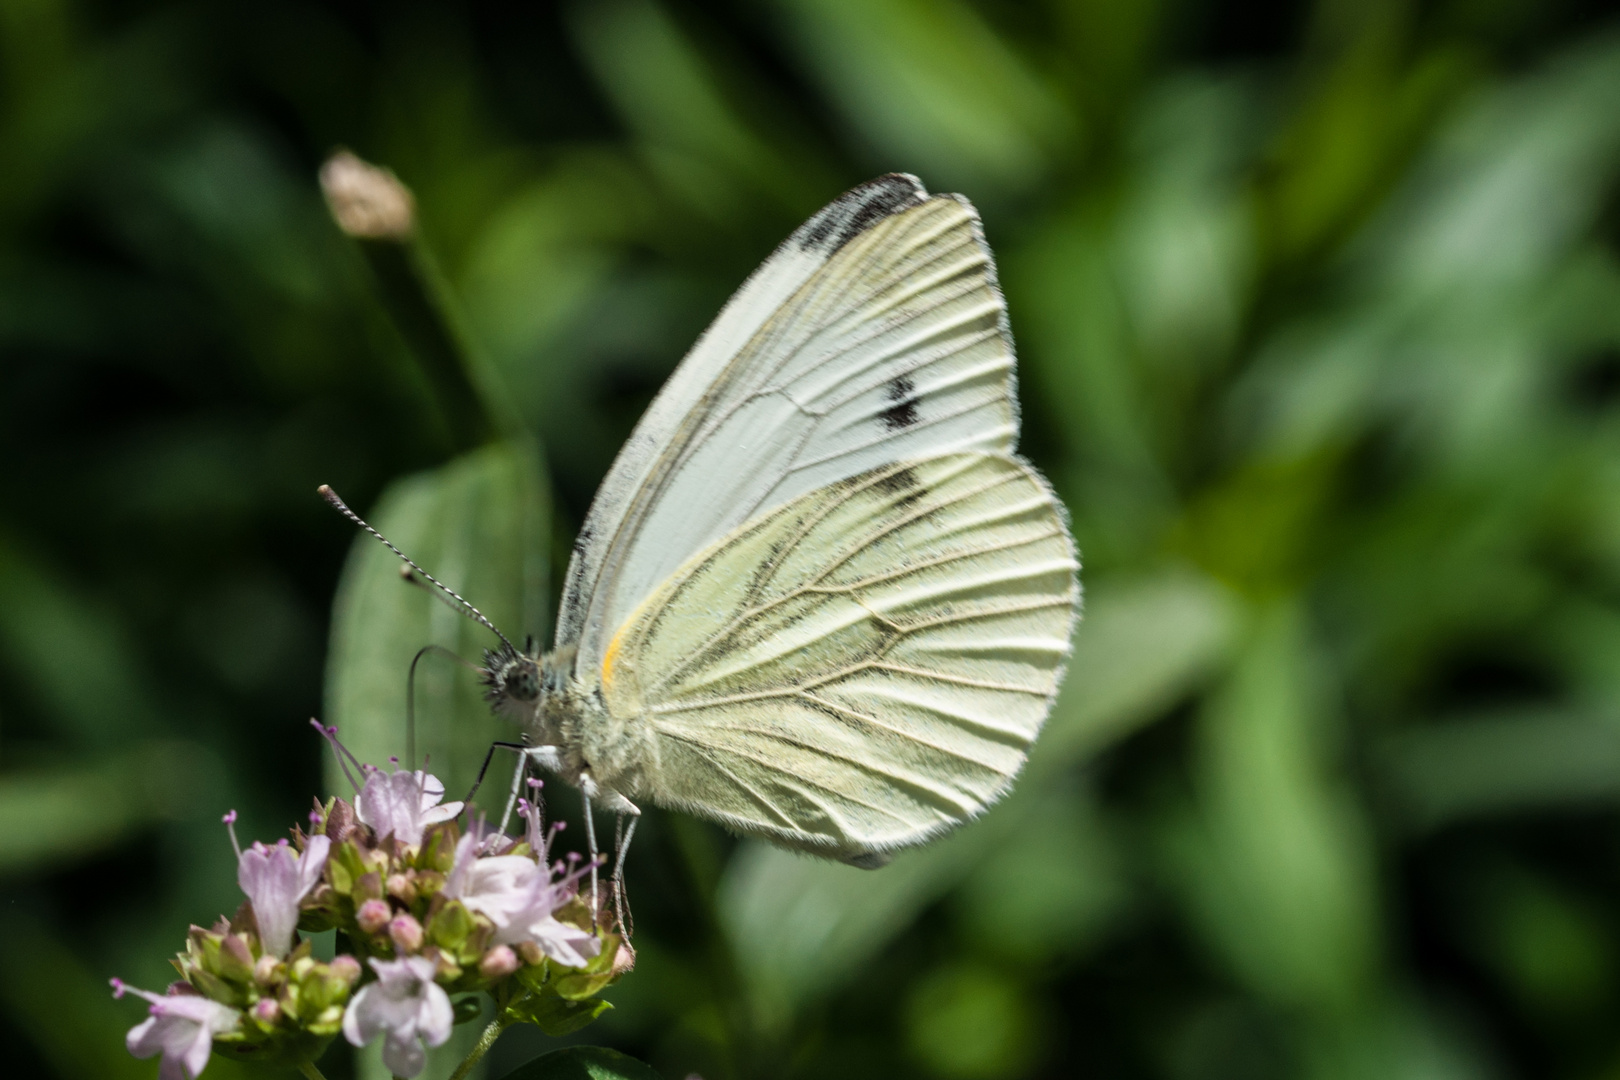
[{"x": 521, "y": 679}]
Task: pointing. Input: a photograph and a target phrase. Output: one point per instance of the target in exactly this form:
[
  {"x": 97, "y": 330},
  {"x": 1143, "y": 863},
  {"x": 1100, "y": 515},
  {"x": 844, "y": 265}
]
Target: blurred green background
[{"x": 1318, "y": 308}]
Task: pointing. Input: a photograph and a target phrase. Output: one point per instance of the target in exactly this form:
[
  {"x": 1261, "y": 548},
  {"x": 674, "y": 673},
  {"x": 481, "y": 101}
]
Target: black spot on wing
[
  {"x": 901, "y": 481},
  {"x": 857, "y": 210},
  {"x": 903, "y": 413}
]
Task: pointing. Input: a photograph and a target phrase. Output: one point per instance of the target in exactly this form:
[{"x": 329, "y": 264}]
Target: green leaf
[
  {"x": 1478, "y": 766},
  {"x": 583, "y": 1063},
  {"x": 928, "y": 82},
  {"x": 576, "y": 984},
  {"x": 1275, "y": 864},
  {"x": 480, "y": 525},
  {"x": 555, "y": 1015},
  {"x": 52, "y": 816}
]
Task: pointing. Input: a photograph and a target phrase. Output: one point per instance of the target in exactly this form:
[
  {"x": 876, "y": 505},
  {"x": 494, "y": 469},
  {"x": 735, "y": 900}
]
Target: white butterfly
[{"x": 818, "y": 599}]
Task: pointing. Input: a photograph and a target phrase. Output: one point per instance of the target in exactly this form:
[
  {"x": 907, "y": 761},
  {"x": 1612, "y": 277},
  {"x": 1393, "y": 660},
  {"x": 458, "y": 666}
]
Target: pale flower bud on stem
[
  {"x": 498, "y": 963},
  {"x": 406, "y": 933},
  {"x": 367, "y": 202},
  {"x": 373, "y": 915},
  {"x": 346, "y": 968}
]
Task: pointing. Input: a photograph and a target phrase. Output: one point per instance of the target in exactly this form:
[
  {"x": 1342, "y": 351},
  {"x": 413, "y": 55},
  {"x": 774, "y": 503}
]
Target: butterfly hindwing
[{"x": 862, "y": 667}]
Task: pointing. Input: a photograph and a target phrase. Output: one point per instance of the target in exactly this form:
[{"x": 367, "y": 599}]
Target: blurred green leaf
[
  {"x": 1553, "y": 949},
  {"x": 60, "y": 815},
  {"x": 1275, "y": 863},
  {"x": 1049, "y": 889},
  {"x": 480, "y": 525},
  {"x": 583, "y": 1063},
  {"x": 966, "y": 1022},
  {"x": 933, "y": 90},
  {"x": 1465, "y": 768},
  {"x": 697, "y": 139},
  {"x": 71, "y": 652}
]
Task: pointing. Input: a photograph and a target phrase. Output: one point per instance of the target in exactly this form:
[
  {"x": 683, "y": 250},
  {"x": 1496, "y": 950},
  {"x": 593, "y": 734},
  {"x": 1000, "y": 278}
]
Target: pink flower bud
[
  {"x": 401, "y": 888},
  {"x": 498, "y": 963},
  {"x": 406, "y": 932},
  {"x": 267, "y": 1011},
  {"x": 345, "y": 967},
  {"x": 373, "y": 915},
  {"x": 264, "y": 970}
]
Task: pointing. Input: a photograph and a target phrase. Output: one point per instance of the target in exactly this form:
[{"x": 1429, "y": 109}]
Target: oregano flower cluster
[{"x": 432, "y": 919}]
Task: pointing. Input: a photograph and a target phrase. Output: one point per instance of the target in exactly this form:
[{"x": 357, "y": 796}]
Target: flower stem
[
  {"x": 485, "y": 1041},
  {"x": 308, "y": 1069}
]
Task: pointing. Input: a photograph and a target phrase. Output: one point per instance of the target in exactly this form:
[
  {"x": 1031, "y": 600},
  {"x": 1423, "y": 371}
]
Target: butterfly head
[{"x": 512, "y": 680}]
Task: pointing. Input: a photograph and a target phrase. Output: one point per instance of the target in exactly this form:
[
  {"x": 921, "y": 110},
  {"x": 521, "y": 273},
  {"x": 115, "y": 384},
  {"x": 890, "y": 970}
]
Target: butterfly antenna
[{"x": 466, "y": 609}]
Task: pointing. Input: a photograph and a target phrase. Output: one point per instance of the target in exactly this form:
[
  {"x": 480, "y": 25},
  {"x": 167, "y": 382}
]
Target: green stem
[
  {"x": 419, "y": 303},
  {"x": 308, "y": 1069},
  {"x": 485, "y": 1041}
]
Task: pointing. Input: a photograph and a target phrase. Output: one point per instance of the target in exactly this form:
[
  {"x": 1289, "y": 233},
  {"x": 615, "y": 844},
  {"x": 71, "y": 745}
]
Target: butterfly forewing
[
  {"x": 892, "y": 348},
  {"x": 863, "y": 666}
]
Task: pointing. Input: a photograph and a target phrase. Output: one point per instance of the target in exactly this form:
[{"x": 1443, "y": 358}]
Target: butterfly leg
[
  {"x": 621, "y": 900},
  {"x": 612, "y": 800},
  {"x": 587, "y": 787},
  {"x": 484, "y": 768}
]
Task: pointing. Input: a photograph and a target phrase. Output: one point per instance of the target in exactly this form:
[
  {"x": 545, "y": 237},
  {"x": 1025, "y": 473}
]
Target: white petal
[
  {"x": 170, "y": 1068},
  {"x": 312, "y": 863},
  {"x": 437, "y": 1015},
  {"x": 434, "y": 815},
  {"x": 360, "y": 1021},
  {"x": 195, "y": 1056},
  {"x": 144, "y": 1039},
  {"x": 403, "y": 1056}
]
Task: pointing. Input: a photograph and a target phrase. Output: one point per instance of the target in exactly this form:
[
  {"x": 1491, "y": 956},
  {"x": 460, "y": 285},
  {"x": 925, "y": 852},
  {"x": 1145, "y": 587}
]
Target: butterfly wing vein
[{"x": 861, "y": 667}]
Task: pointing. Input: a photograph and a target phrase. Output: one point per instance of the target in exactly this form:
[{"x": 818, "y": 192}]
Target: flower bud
[
  {"x": 340, "y": 821},
  {"x": 373, "y": 915},
  {"x": 366, "y": 201},
  {"x": 264, "y": 970},
  {"x": 402, "y": 888},
  {"x": 406, "y": 933},
  {"x": 429, "y": 883},
  {"x": 267, "y": 1011},
  {"x": 498, "y": 963},
  {"x": 345, "y": 967},
  {"x": 445, "y": 968},
  {"x": 235, "y": 958},
  {"x": 530, "y": 952}
]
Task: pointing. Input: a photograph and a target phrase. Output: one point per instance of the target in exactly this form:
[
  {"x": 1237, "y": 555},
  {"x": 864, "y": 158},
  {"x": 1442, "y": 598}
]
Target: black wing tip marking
[{"x": 858, "y": 209}]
